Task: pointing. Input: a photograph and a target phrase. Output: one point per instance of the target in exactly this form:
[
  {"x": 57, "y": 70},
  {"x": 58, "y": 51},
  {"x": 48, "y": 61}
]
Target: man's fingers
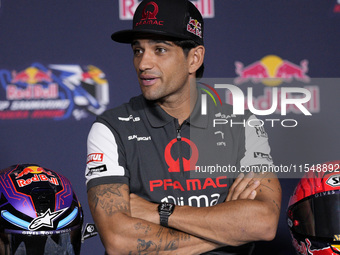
[
  {"x": 243, "y": 187},
  {"x": 249, "y": 192},
  {"x": 232, "y": 188}
]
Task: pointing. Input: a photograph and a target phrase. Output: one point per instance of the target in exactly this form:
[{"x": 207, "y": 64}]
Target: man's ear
[{"x": 196, "y": 58}]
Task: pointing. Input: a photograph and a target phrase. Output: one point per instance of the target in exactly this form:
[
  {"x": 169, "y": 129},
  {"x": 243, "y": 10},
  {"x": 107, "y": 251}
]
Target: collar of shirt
[{"x": 159, "y": 118}]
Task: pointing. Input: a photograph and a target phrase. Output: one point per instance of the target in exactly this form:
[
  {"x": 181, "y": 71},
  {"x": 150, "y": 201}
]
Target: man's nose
[{"x": 146, "y": 61}]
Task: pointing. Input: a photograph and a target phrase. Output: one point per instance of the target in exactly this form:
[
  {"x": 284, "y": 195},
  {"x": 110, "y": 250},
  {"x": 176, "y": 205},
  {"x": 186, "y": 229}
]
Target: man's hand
[{"x": 243, "y": 187}]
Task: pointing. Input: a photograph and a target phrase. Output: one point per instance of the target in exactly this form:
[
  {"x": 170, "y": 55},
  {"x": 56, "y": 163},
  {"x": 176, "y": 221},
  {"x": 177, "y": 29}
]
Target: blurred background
[{"x": 59, "y": 69}]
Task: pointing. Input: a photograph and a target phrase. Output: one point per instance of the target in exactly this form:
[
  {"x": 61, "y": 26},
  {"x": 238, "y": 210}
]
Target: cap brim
[{"x": 127, "y": 36}]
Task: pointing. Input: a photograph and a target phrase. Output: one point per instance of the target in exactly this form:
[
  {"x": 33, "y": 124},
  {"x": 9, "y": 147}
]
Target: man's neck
[{"x": 181, "y": 107}]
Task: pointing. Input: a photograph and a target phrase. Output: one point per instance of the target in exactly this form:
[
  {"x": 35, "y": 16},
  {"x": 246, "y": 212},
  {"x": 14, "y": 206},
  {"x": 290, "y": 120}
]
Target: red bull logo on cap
[
  {"x": 271, "y": 70},
  {"x": 195, "y": 27}
]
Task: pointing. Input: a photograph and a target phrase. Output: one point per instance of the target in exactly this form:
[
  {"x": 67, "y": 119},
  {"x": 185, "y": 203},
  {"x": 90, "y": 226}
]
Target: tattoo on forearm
[
  {"x": 172, "y": 240},
  {"x": 144, "y": 227},
  {"x": 109, "y": 198},
  {"x": 263, "y": 185},
  {"x": 146, "y": 246},
  {"x": 276, "y": 204}
]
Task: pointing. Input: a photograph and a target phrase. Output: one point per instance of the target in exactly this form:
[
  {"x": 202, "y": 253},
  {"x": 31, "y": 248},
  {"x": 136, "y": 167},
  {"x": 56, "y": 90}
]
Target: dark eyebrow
[{"x": 151, "y": 41}]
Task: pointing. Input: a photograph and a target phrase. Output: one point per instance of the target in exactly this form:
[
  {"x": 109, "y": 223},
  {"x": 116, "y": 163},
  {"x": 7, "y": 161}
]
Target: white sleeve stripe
[{"x": 103, "y": 155}]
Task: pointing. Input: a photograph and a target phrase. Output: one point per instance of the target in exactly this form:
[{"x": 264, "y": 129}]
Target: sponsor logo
[
  {"x": 57, "y": 92},
  {"x": 37, "y": 178},
  {"x": 97, "y": 169},
  {"x": 149, "y": 17},
  {"x": 139, "y": 138},
  {"x": 260, "y": 132},
  {"x": 32, "y": 170},
  {"x": 45, "y": 220},
  {"x": 95, "y": 157},
  {"x": 195, "y": 27},
  {"x": 262, "y": 155},
  {"x": 134, "y": 119},
  {"x": 196, "y": 201},
  {"x": 334, "y": 181},
  {"x": 271, "y": 70},
  {"x": 190, "y": 184},
  {"x": 128, "y": 7},
  {"x": 175, "y": 165},
  {"x": 90, "y": 230},
  {"x": 39, "y": 175}
]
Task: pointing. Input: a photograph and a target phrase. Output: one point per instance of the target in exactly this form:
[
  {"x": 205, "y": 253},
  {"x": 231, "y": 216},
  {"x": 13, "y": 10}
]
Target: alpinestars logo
[{"x": 45, "y": 220}]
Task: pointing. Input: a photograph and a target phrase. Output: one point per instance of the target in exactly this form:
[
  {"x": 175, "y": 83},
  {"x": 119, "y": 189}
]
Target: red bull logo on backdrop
[
  {"x": 57, "y": 92},
  {"x": 273, "y": 71},
  {"x": 127, "y": 8}
]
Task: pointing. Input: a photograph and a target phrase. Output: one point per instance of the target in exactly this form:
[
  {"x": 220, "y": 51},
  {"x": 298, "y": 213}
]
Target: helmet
[
  {"x": 40, "y": 213},
  {"x": 313, "y": 214}
]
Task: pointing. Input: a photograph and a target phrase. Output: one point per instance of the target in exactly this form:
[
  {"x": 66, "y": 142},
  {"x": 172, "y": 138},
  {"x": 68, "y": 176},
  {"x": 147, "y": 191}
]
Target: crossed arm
[
  {"x": 129, "y": 224},
  {"x": 123, "y": 234}
]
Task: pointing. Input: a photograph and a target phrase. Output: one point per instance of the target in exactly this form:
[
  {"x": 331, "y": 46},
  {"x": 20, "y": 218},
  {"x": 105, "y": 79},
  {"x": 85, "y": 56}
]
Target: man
[{"x": 142, "y": 156}]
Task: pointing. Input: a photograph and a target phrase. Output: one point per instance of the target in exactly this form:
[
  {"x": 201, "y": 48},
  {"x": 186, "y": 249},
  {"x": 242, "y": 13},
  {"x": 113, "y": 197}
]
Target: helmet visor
[
  {"x": 65, "y": 244},
  {"x": 318, "y": 215}
]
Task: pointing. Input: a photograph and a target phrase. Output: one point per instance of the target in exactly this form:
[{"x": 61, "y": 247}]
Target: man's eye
[
  {"x": 137, "y": 51},
  {"x": 161, "y": 50}
]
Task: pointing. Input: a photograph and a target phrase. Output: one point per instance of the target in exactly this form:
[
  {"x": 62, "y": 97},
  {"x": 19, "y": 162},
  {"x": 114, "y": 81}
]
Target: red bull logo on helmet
[
  {"x": 32, "y": 170},
  {"x": 39, "y": 175},
  {"x": 271, "y": 70}
]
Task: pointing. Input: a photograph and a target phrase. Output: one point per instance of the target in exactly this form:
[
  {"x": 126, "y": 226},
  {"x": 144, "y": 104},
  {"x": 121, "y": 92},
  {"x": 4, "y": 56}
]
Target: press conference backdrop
[{"x": 59, "y": 69}]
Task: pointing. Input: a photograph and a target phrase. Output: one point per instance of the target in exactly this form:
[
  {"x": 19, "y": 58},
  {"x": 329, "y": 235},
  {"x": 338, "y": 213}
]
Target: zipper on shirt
[{"x": 179, "y": 141}]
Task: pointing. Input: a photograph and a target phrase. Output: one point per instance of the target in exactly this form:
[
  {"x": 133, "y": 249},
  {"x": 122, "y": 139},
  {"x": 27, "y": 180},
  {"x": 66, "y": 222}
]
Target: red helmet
[{"x": 313, "y": 214}]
